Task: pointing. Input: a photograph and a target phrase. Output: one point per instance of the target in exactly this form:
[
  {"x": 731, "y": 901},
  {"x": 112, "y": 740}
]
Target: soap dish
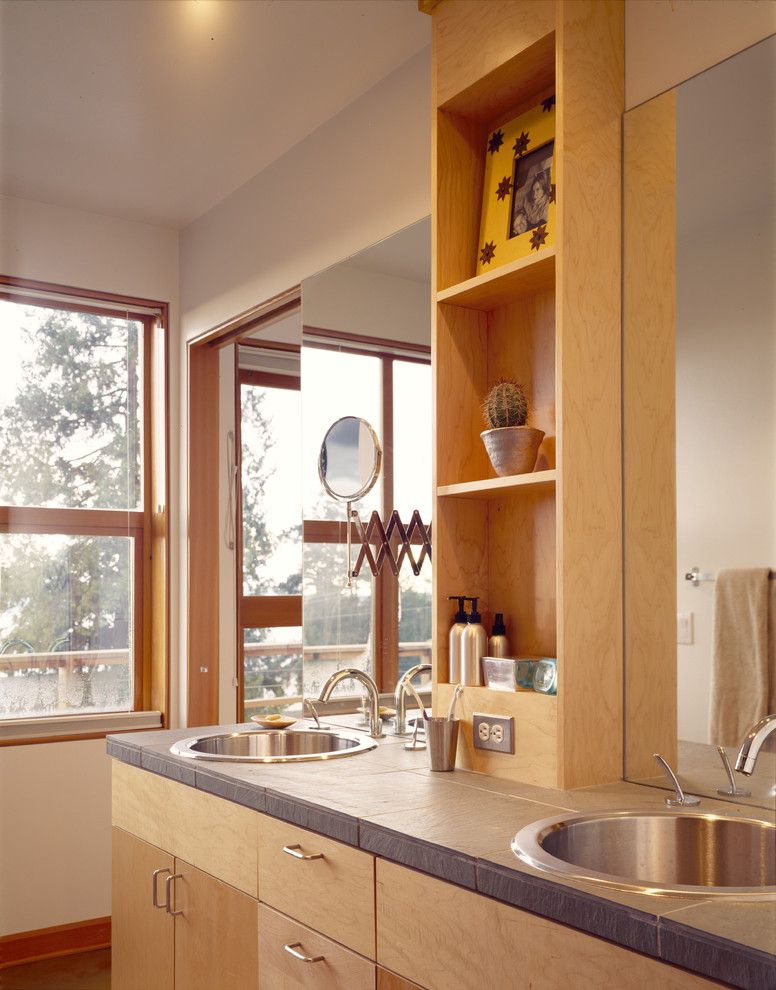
[{"x": 273, "y": 721}]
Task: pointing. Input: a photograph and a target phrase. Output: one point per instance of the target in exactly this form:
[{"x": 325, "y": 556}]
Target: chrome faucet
[
  {"x": 751, "y": 746},
  {"x": 403, "y": 688},
  {"x": 680, "y": 799},
  {"x": 375, "y": 725}
]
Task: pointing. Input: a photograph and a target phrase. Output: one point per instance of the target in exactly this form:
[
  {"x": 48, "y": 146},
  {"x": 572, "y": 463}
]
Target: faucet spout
[
  {"x": 751, "y": 746},
  {"x": 403, "y": 687},
  {"x": 375, "y": 725}
]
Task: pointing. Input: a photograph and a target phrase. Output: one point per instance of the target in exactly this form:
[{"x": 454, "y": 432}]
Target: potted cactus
[{"x": 511, "y": 445}]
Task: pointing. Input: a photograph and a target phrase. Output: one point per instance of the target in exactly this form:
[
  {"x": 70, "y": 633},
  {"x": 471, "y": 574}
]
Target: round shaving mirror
[{"x": 350, "y": 459}]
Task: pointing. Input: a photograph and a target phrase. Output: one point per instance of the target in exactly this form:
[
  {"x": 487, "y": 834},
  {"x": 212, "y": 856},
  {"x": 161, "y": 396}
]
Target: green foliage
[{"x": 505, "y": 405}]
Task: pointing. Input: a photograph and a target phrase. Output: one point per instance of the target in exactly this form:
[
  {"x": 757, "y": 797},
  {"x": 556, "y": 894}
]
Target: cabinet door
[
  {"x": 390, "y": 981},
  {"x": 142, "y": 935},
  {"x": 216, "y": 933}
]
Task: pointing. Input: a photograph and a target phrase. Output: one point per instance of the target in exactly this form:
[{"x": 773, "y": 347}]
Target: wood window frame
[{"x": 148, "y": 527}]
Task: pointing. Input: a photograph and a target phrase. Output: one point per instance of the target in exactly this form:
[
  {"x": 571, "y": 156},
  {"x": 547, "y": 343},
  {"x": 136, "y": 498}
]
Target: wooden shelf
[
  {"x": 505, "y": 284},
  {"x": 497, "y": 487}
]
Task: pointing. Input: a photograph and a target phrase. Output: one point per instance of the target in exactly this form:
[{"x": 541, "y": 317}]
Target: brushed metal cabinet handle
[
  {"x": 155, "y": 886},
  {"x": 292, "y": 949},
  {"x": 296, "y": 852},
  {"x": 167, "y": 892}
]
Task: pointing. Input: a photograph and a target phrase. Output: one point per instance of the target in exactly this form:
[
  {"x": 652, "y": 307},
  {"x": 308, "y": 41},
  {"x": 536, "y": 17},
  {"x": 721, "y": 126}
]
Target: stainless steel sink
[
  {"x": 273, "y": 746},
  {"x": 657, "y": 852}
]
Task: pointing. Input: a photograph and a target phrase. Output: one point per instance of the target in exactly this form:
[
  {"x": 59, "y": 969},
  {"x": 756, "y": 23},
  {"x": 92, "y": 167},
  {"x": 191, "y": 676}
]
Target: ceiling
[{"x": 156, "y": 110}]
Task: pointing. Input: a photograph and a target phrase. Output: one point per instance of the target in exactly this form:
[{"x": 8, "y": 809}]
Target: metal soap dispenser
[
  {"x": 474, "y": 643},
  {"x": 456, "y": 634}
]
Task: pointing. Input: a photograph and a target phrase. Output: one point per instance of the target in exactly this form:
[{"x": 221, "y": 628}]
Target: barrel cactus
[{"x": 505, "y": 405}]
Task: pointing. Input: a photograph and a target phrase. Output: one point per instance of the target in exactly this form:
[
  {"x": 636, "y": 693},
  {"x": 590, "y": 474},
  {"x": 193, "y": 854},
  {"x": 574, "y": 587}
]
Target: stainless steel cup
[{"x": 442, "y": 741}]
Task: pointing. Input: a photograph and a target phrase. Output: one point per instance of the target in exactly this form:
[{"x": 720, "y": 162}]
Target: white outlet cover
[{"x": 684, "y": 628}]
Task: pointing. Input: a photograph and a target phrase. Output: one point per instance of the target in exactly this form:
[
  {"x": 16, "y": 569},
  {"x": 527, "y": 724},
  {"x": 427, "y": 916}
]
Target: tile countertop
[{"x": 458, "y": 826}]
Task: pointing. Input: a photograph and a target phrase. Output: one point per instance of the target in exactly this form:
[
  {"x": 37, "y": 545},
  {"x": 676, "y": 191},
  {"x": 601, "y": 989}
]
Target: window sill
[{"x": 65, "y": 727}]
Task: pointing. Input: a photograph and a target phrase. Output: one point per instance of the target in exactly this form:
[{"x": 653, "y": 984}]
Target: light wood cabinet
[
  {"x": 325, "y": 884},
  {"x": 428, "y": 929},
  {"x": 142, "y": 937},
  {"x": 544, "y": 547},
  {"x": 294, "y": 957}
]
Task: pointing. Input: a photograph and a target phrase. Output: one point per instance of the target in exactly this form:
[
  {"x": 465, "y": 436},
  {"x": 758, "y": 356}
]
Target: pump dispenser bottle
[
  {"x": 474, "y": 642},
  {"x": 456, "y": 634},
  {"x": 498, "y": 644}
]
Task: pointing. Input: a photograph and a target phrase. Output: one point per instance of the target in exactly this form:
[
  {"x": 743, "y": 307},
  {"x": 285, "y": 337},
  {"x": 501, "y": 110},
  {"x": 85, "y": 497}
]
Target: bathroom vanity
[{"x": 372, "y": 871}]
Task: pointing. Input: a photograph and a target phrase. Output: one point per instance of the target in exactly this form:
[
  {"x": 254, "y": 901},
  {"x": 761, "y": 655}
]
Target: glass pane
[
  {"x": 271, "y": 432},
  {"x": 71, "y": 401},
  {"x": 66, "y": 630},
  {"x": 272, "y": 670},
  {"x": 336, "y": 384},
  {"x": 412, "y": 439},
  {"x": 415, "y": 619},
  {"x": 337, "y": 620}
]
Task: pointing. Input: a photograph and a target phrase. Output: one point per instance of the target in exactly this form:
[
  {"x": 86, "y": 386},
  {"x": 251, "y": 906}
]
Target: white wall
[
  {"x": 668, "y": 41},
  {"x": 351, "y": 300},
  {"x": 55, "y": 798}
]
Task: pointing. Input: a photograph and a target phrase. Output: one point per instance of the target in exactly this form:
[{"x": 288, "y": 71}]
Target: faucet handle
[
  {"x": 734, "y": 790},
  {"x": 680, "y": 799}
]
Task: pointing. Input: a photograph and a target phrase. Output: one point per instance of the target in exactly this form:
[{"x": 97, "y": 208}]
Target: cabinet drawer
[
  {"x": 279, "y": 969},
  {"x": 332, "y": 892},
  {"x": 429, "y": 929},
  {"x": 217, "y": 836}
]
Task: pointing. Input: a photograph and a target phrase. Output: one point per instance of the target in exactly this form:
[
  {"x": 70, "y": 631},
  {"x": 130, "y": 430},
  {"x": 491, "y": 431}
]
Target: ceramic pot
[{"x": 512, "y": 449}]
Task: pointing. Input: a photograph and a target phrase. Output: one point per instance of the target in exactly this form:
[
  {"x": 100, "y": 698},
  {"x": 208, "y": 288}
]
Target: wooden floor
[{"x": 84, "y": 971}]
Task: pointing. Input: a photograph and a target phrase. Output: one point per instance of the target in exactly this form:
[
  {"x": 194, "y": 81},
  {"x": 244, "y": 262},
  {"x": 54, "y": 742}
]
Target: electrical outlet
[
  {"x": 684, "y": 628},
  {"x": 494, "y": 732}
]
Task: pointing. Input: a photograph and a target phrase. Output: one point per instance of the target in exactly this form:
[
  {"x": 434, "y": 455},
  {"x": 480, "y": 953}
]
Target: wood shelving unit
[{"x": 544, "y": 548}]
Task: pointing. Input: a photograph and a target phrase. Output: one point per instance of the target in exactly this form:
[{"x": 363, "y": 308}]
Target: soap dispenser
[
  {"x": 474, "y": 642},
  {"x": 456, "y": 634},
  {"x": 498, "y": 644}
]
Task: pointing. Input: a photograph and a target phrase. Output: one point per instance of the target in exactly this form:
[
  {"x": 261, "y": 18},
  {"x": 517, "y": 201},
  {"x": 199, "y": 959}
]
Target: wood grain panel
[
  {"x": 390, "y": 981},
  {"x": 649, "y": 442},
  {"x": 213, "y": 834},
  {"x": 271, "y": 610},
  {"x": 457, "y": 173},
  {"x": 203, "y": 532},
  {"x": 588, "y": 166},
  {"x": 473, "y": 39},
  {"x": 340, "y": 969},
  {"x": 334, "y": 894},
  {"x": 429, "y": 929},
  {"x": 498, "y": 487},
  {"x": 216, "y": 936},
  {"x": 57, "y": 940},
  {"x": 536, "y": 718},
  {"x": 142, "y": 953},
  {"x": 504, "y": 284}
]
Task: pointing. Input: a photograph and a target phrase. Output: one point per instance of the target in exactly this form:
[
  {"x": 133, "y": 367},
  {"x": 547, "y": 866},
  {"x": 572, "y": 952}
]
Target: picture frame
[{"x": 519, "y": 192}]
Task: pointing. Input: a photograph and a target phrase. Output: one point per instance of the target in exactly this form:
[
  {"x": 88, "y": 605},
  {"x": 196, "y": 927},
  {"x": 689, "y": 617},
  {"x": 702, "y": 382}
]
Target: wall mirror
[
  {"x": 365, "y": 359},
  {"x": 699, "y": 399}
]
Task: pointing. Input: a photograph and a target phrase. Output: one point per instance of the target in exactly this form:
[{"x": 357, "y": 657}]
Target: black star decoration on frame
[
  {"x": 552, "y": 193},
  {"x": 548, "y": 104},
  {"x": 538, "y": 237},
  {"x": 495, "y": 142},
  {"x": 487, "y": 253},
  {"x": 504, "y": 188},
  {"x": 521, "y": 145}
]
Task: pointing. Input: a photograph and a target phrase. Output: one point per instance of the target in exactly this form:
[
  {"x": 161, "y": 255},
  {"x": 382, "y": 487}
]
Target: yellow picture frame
[{"x": 518, "y": 201}]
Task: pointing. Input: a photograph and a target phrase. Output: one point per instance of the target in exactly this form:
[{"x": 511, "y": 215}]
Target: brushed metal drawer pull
[
  {"x": 296, "y": 852},
  {"x": 291, "y": 949},
  {"x": 155, "y": 887},
  {"x": 167, "y": 887}
]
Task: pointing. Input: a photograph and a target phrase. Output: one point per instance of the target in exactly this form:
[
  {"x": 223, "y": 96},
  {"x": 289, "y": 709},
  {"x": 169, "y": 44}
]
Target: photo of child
[{"x": 531, "y": 185}]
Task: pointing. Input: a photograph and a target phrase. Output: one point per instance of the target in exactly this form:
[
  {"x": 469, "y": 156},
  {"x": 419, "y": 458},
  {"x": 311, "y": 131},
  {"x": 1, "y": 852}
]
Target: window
[
  {"x": 381, "y": 625},
  {"x": 80, "y": 468}
]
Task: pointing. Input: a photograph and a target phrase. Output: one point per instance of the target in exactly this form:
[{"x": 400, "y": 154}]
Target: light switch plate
[
  {"x": 684, "y": 628},
  {"x": 493, "y": 732}
]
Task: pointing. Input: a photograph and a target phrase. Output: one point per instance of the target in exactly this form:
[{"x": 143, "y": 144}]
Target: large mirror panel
[
  {"x": 366, "y": 354},
  {"x": 700, "y": 425}
]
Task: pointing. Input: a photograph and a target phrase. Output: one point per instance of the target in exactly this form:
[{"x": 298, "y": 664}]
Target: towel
[{"x": 743, "y": 679}]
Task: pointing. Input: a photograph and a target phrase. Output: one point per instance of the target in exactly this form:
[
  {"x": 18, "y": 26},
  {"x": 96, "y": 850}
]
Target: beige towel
[{"x": 743, "y": 680}]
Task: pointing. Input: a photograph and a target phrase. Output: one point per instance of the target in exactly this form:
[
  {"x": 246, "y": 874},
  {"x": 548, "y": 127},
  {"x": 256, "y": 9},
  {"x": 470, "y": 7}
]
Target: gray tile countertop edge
[{"x": 660, "y": 937}]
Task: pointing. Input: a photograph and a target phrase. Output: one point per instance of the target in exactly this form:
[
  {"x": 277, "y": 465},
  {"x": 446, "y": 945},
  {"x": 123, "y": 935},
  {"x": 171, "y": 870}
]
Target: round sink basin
[
  {"x": 658, "y": 852},
  {"x": 273, "y": 746}
]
